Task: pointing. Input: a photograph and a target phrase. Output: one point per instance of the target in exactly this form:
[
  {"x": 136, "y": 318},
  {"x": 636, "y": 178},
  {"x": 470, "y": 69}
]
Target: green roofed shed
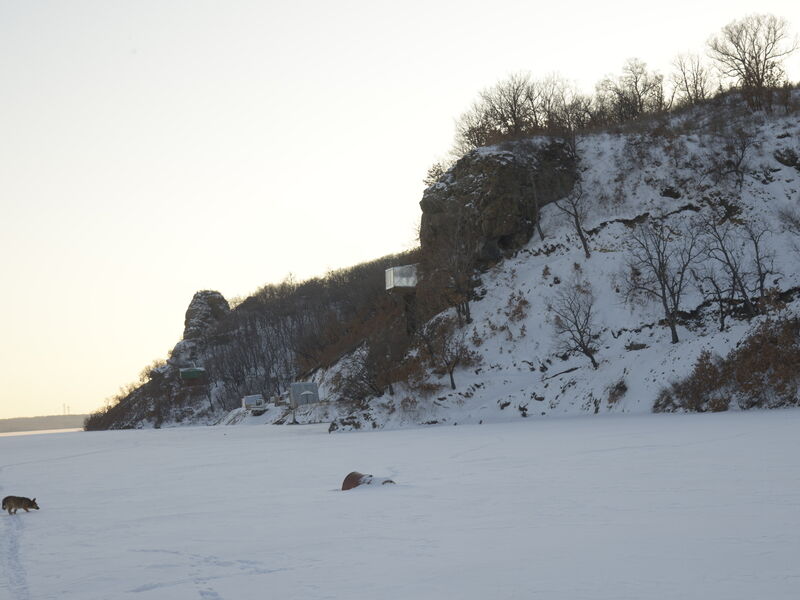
[{"x": 192, "y": 373}]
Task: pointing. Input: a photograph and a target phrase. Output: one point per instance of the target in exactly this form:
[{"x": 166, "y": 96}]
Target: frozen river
[{"x": 639, "y": 507}]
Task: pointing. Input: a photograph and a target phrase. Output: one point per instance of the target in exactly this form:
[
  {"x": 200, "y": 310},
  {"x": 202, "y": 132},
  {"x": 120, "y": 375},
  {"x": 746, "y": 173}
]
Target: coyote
[{"x": 12, "y": 503}]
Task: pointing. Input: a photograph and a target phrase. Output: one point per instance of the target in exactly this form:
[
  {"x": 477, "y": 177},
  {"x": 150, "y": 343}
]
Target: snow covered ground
[{"x": 602, "y": 507}]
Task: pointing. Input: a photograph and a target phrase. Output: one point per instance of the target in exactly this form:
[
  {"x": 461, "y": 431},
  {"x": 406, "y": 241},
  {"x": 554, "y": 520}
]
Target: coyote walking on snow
[{"x": 13, "y": 503}]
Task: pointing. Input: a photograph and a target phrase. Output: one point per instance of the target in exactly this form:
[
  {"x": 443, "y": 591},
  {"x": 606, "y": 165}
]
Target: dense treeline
[
  {"x": 284, "y": 331},
  {"x": 275, "y": 336}
]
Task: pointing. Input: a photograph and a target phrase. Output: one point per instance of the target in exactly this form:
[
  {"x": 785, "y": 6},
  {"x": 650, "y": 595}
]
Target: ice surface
[{"x": 602, "y": 507}]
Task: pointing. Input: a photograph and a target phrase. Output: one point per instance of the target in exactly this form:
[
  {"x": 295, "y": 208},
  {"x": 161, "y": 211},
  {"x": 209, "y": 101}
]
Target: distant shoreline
[
  {"x": 39, "y": 432},
  {"x": 42, "y": 423}
]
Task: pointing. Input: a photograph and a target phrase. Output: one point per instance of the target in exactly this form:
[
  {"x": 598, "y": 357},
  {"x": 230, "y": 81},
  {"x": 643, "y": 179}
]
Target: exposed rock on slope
[
  {"x": 206, "y": 309},
  {"x": 163, "y": 397},
  {"x": 492, "y": 197}
]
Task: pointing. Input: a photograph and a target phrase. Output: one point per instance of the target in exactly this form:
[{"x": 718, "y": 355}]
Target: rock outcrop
[
  {"x": 206, "y": 309},
  {"x": 491, "y": 196}
]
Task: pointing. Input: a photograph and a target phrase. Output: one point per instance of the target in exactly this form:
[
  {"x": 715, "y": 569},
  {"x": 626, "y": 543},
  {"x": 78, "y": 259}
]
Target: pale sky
[{"x": 150, "y": 149}]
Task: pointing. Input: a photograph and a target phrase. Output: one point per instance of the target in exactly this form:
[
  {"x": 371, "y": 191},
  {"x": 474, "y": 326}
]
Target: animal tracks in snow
[
  {"x": 199, "y": 570},
  {"x": 16, "y": 576}
]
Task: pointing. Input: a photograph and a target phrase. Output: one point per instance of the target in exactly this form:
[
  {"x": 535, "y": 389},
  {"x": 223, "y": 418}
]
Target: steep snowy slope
[
  {"x": 717, "y": 165},
  {"x": 675, "y": 177}
]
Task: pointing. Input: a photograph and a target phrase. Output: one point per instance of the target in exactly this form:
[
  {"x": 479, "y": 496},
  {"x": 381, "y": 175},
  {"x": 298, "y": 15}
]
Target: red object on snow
[{"x": 356, "y": 479}]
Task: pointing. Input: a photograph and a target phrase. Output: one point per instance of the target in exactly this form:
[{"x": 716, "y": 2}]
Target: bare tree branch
[
  {"x": 659, "y": 258},
  {"x": 575, "y": 206},
  {"x": 574, "y": 320}
]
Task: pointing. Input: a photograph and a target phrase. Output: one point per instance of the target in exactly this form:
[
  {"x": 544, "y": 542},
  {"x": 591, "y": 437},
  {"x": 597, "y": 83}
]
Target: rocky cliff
[
  {"x": 681, "y": 174},
  {"x": 493, "y": 196},
  {"x": 207, "y": 309}
]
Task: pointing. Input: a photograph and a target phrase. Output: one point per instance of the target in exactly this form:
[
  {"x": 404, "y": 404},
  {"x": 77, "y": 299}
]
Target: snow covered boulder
[{"x": 355, "y": 479}]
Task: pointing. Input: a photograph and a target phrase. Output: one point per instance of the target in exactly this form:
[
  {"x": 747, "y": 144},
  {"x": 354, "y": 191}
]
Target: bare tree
[
  {"x": 659, "y": 258},
  {"x": 575, "y": 206},
  {"x": 762, "y": 259},
  {"x": 751, "y": 51},
  {"x": 743, "y": 262},
  {"x": 447, "y": 346},
  {"x": 691, "y": 79},
  {"x": 722, "y": 247},
  {"x": 565, "y": 110},
  {"x": 636, "y": 92},
  {"x": 507, "y": 110},
  {"x": 518, "y": 107},
  {"x": 712, "y": 285},
  {"x": 512, "y": 105},
  {"x": 736, "y": 143},
  {"x": 574, "y": 320},
  {"x": 473, "y": 130}
]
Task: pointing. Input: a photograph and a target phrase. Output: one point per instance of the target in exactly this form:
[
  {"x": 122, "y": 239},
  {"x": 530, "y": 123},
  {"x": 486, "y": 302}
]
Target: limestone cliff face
[
  {"x": 491, "y": 196},
  {"x": 206, "y": 309}
]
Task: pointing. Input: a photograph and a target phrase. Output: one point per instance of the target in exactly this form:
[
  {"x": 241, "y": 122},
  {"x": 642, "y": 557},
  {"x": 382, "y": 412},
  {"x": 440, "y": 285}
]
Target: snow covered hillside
[
  {"x": 715, "y": 189},
  {"x": 675, "y": 179},
  {"x": 656, "y": 506}
]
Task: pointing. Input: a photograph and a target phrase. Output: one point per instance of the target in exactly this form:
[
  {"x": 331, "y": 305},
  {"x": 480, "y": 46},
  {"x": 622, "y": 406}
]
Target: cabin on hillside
[
  {"x": 401, "y": 282},
  {"x": 254, "y": 403},
  {"x": 303, "y": 392},
  {"x": 401, "y": 279}
]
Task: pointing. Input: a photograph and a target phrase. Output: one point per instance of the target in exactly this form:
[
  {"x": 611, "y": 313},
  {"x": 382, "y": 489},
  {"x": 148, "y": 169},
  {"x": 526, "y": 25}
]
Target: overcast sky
[{"x": 150, "y": 149}]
